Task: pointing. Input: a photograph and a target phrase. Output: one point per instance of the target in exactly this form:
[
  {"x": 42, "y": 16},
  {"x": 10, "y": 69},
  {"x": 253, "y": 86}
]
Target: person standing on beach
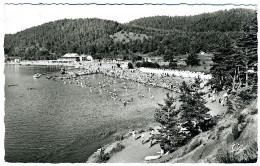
[
  {"x": 151, "y": 139},
  {"x": 162, "y": 150},
  {"x": 142, "y": 137},
  {"x": 133, "y": 134},
  {"x": 152, "y": 132}
]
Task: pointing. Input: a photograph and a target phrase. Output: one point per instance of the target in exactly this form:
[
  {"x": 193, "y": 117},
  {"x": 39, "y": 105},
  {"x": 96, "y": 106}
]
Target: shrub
[
  {"x": 223, "y": 156},
  {"x": 150, "y": 129},
  {"x": 125, "y": 57},
  {"x": 118, "y": 148},
  {"x": 172, "y": 65},
  {"x": 241, "y": 118},
  {"x": 130, "y": 65},
  {"x": 119, "y": 137},
  {"x": 102, "y": 158},
  {"x": 221, "y": 128},
  {"x": 118, "y": 65},
  {"x": 140, "y": 131},
  {"x": 138, "y": 64},
  {"x": 147, "y": 64},
  {"x": 207, "y": 124},
  {"x": 254, "y": 111},
  {"x": 246, "y": 95}
]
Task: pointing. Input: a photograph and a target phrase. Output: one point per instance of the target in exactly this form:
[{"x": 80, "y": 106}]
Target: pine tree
[
  {"x": 193, "y": 60},
  {"x": 193, "y": 111},
  {"x": 167, "y": 116},
  {"x": 245, "y": 49},
  {"x": 233, "y": 58}
]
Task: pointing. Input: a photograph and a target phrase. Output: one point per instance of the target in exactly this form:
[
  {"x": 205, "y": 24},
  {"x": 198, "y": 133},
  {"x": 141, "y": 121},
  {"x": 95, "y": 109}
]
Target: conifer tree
[{"x": 167, "y": 116}]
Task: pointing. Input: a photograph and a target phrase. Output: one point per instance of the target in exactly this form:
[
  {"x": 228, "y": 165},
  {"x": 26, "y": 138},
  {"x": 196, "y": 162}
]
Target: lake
[{"x": 50, "y": 121}]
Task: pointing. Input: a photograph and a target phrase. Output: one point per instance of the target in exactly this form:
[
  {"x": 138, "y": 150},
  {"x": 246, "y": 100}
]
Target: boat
[{"x": 37, "y": 75}]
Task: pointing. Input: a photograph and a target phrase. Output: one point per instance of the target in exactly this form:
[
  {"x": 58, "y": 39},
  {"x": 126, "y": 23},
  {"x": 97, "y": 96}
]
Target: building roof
[{"x": 71, "y": 55}]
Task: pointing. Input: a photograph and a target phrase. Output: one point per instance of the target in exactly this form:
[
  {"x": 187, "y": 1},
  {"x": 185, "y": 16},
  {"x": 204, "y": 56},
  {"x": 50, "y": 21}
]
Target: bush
[
  {"x": 147, "y": 64},
  {"x": 125, "y": 57},
  {"x": 138, "y": 64},
  {"x": 150, "y": 129},
  {"x": 140, "y": 131},
  {"x": 102, "y": 158},
  {"x": 223, "y": 156},
  {"x": 207, "y": 124},
  {"x": 193, "y": 60},
  {"x": 172, "y": 65},
  {"x": 118, "y": 148},
  {"x": 118, "y": 65},
  {"x": 119, "y": 137},
  {"x": 246, "y": 95},
  {"x": 130, "y": 65},
  {"x": 221, "y": 128},
  {"x": 241, "y": 118},
  {"x": 254, "y": 111}
]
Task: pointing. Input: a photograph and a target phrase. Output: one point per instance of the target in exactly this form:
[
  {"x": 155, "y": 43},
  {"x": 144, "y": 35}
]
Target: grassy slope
[
  {"x": 216, "y": 145},
  {"x": 125, "y": 37},
  {"x": 205, "y": 62}
]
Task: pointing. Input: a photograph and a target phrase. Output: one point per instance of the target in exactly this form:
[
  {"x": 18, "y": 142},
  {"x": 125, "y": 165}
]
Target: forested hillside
[
  {"x": 222, "y": 21},
  {"x": 59, "y": 37},
  {"x": 156, "y": 36}
]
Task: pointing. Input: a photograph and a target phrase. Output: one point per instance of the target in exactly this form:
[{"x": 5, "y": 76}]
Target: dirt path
[{"x": 135, "y": 151}]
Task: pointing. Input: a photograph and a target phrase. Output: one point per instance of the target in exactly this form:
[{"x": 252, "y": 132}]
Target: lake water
[{"x": 47, "y": 121}]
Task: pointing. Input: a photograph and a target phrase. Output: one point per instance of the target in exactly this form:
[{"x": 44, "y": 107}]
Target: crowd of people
[
  {"x": 109, "y": 84},
  {"x": 178, "y": 73},
  {"x": 162, "y": 80}
]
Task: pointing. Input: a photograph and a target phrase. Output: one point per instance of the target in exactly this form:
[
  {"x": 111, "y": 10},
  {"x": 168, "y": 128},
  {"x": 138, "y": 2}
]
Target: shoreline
[
  {"x": 125, "y": 135},
  {"x": 104, "y": 67}
]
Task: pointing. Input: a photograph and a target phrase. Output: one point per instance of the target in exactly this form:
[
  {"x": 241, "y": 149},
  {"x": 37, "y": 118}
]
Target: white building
[{"x": 72, "y": 57}]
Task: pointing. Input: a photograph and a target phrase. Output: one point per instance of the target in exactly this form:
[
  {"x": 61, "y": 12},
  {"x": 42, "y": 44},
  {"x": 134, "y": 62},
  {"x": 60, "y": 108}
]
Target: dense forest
[
  {"x": 221, "y": 21},
  {"x": 156, "y": 36}
]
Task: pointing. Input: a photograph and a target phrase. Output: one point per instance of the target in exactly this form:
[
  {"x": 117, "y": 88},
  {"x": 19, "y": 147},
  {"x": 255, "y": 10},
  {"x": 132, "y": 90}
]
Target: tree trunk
[
  {"x": 246, "y": 76},
  {"x": 233, "y": 84}
]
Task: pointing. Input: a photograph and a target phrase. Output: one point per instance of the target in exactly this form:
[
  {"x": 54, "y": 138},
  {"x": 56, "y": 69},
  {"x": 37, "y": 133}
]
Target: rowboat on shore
[{"x": 37, "y": 75}]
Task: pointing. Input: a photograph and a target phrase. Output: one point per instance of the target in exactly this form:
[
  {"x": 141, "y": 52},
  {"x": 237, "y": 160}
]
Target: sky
[{"x": 20, "y": 17}]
